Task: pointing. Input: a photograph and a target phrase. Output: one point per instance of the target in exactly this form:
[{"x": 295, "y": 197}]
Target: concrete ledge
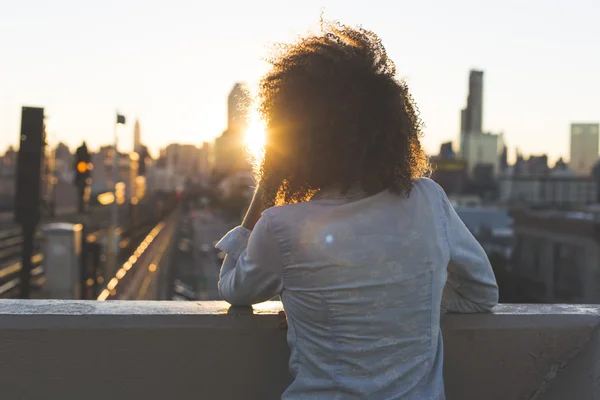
[{"x": 205, "y": 350}]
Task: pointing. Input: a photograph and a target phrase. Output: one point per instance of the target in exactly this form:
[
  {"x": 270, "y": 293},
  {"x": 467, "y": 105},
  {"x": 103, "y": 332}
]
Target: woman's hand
[
  {"x": 254, "y": 211},
  {"x": 283, "y": 323}
]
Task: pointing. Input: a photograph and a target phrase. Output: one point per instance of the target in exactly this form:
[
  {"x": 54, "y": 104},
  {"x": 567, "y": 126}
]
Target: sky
[{"x": 172, "y": 63}]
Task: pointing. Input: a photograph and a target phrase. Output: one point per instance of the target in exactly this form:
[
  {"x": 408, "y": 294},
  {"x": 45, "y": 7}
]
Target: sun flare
[{"x": 255, "y": 136}]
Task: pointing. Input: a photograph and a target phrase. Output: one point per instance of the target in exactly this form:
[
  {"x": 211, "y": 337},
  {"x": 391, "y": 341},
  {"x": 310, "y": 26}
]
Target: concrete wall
[{"x": 167, "y": 350}]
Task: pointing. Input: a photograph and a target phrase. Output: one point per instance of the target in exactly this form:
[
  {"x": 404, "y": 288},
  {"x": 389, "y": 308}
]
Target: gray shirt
[{"x": 363, "y": 280}]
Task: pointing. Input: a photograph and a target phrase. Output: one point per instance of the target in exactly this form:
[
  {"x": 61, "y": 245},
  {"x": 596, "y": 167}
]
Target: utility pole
[{"x": 28, "y": 187}]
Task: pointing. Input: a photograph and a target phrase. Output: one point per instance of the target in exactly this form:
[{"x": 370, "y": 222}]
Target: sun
[{"x": 255, "y": 136}]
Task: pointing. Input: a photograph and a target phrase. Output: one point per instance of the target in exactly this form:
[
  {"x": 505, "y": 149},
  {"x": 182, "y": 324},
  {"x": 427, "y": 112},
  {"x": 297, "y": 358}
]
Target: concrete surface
[{"x": 204, "y": 350}]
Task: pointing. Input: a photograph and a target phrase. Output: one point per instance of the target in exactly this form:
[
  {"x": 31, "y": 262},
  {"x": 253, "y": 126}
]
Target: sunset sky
[{"x": 172, "y": 63}]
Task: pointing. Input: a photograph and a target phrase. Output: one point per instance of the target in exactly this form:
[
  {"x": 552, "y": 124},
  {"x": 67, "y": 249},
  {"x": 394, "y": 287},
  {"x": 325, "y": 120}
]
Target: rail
[
  {"x": 11, "y": 240},
  {"x": 9, "y": 279},
  {"x": 131, "y": 236},
  {"x": 137, "y": 277}
]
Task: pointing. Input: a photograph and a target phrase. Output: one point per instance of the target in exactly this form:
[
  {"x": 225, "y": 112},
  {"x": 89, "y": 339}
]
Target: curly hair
[{"x": 336, "y": 116}]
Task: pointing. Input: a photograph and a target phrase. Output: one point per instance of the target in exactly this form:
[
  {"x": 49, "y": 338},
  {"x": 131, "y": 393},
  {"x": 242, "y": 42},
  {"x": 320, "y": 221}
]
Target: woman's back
[
  {"x": 361, "y": 281},
  {"x": 362, "y": 276}
]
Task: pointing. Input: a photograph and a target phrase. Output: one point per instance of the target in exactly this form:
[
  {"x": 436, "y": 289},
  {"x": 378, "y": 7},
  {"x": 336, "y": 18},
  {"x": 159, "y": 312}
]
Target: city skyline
[{"x": 151, "y": 63}]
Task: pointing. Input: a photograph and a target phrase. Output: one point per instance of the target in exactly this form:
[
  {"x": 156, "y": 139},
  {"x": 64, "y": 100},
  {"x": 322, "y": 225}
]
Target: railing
[
  {"x": 138, "y": 277},
  {"x": 130, "y": 237},
  {"x": 204, "y": 350},
  {"x": 10, "y": 243},
  {"x": 9, "y": 274}
]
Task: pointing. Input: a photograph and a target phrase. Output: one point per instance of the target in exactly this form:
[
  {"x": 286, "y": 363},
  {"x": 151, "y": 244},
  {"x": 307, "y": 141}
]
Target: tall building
[
  {"x": 471, "y": 117},
  {"x": 230, "y": 151},
  {"x": 483, "y": 149},
  {"x": 182, "y": 159},
  {"x": 480, "y": 150},
  {"x": 237, "y": 108},
  {"x": 63, "y": 163},
  {"x": 137, "y": 136},
  {"x": 584, "y": 147},
  {"x": 230, "y": 154}
]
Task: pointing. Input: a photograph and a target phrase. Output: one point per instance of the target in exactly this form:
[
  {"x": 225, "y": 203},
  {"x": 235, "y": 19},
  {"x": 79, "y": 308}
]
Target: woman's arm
[
  {"x": 471, "y": 285},
  {"x": 252, "y": 271},
  {"x": 254, "y": 210}
]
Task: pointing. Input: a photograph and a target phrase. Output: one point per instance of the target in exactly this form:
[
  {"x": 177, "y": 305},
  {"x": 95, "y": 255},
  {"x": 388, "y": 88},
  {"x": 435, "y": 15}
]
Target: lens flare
[{"x": 255, "y": 136}]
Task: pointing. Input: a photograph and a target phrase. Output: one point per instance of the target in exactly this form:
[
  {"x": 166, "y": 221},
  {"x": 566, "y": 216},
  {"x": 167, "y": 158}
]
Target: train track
[
  {"x": 9, "y": 275},
  {"x": 11, "y": 241}
]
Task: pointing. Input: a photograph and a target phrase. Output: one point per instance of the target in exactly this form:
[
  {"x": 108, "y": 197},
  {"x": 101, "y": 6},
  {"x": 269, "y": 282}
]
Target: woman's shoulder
[
  {"x": 287, "y": 210},
  {"x": 427, "y": 184},
  {"x": 427, "y": 188}
]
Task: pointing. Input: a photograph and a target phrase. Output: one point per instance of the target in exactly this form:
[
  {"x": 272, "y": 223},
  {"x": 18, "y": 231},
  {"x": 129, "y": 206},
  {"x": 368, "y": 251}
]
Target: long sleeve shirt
[{"x": 363, "y": 280}]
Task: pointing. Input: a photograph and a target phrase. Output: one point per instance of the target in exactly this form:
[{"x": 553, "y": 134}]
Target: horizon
[{"x": 173, "y": 70}]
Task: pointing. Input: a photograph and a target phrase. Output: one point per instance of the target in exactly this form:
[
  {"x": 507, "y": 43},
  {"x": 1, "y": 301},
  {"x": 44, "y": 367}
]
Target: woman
[{"x": 363, "y": 250}]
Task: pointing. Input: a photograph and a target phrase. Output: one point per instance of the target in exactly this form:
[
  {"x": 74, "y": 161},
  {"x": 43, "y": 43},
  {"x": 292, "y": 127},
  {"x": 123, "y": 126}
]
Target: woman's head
[{"x": 337, "y": 116}]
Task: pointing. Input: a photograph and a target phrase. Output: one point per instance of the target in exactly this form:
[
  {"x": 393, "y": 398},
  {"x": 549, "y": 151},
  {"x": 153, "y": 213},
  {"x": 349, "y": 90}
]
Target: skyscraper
[
  {"x": 584, "y": 147},
  {"x": 471, "y": 117},
  {"x": 137, "y": 136},
  {"x": 477, "y": 148},
  {"x": 230, "y": 152},
  {"x": 237, "y": 109}
]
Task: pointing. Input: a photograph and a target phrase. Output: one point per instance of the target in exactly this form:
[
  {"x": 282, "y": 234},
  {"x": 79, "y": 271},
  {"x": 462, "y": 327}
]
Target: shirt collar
[{"x": 335, "y": 193}]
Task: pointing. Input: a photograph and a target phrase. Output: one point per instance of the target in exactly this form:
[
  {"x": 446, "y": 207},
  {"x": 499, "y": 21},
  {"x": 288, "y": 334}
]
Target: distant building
[
  {"x": 552, "y": 190},
  {"x": 204, "y": 161},
  {"x": 560, "y": 165},
  {"x": 596, "y": 178},
  {"x": 8, "y": 162},
  {"x": 483, "y": 182},
  {"x": 8, "y": 165},
  {"x": 103, "y": 175},
  {"x": 446, "y": 151},
  {"x": 230, "y": 151},
  {"x": 238, "y": 104},
  {"x": 503, "y": 160},
  {"x": 471, "y": 117},
  {"x": 483, "y": 148},
  {"x": 137, "y": 136},
  {"x": 556, "y": 256},
  {"x": 584, "y": 147},
  {"x": 161, "y": 178},
  {"x": 448, "y": 171},
  {"x": 230, "y": 154},
  {"x": 538, "y": 165},
  {"x": 182, "y": 159},
  {"x": 477, "y": 147},
  {"x": 534, "y": 165},
  {"x": 63, "y": 163}
]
